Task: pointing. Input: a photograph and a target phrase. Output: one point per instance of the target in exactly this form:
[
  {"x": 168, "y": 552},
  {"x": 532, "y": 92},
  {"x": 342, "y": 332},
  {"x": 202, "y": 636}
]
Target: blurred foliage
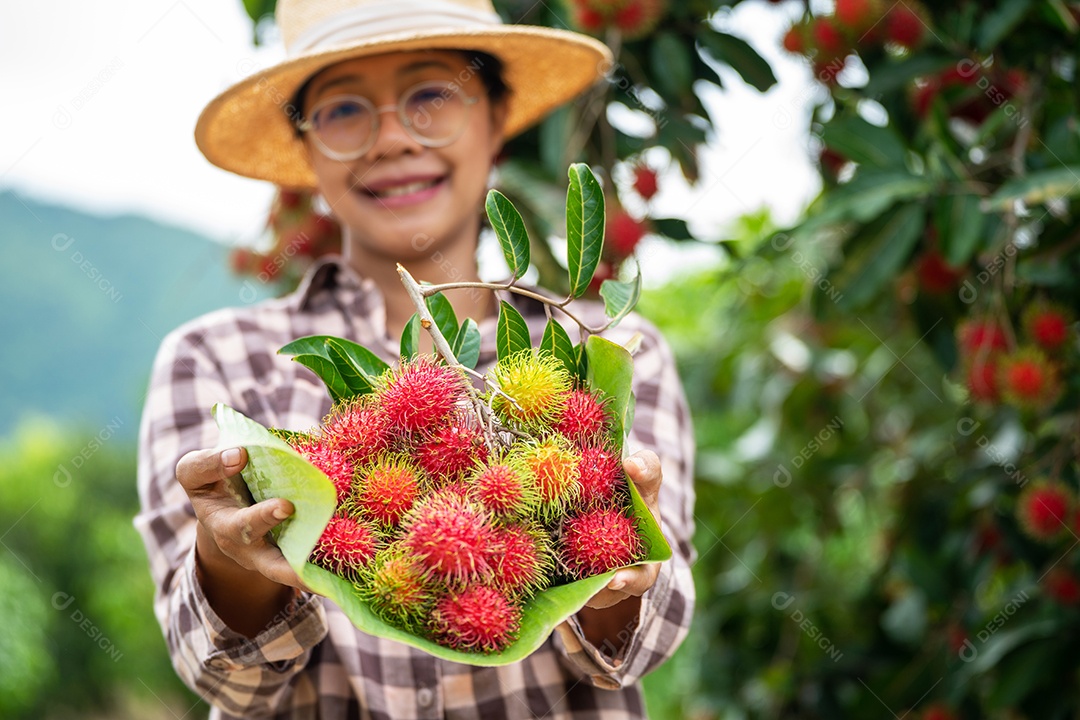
[{"x": 78, "y": 636}]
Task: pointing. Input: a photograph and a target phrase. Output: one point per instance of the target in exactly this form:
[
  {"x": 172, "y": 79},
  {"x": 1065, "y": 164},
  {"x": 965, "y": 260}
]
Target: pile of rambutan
[{"x": 449, "y": 518}]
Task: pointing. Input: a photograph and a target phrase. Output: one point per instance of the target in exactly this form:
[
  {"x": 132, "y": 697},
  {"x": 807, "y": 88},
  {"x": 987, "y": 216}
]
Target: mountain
[{"x": 86, "y": 301}]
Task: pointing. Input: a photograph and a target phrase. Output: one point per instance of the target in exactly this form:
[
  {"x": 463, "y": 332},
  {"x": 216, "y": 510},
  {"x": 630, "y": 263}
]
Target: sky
[{"x": 103, "y": 99}]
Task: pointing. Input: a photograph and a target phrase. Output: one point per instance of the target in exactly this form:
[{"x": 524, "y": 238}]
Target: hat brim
[{"x": 246, "y": 129}]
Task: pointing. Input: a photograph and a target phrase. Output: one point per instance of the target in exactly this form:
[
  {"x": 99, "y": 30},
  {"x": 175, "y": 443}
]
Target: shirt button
[{"x": 424, "y": 697}]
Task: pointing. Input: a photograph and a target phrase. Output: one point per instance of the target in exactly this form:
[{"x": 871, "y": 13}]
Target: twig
[{"x": 429, "y": 290}]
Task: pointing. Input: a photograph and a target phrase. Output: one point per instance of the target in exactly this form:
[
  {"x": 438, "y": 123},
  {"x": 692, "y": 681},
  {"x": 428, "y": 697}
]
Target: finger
[
  {"x": 628, "y": 582},
  {"x": 643, "y": 468},
  {"x": 606, "y": 598},
  {"x": 271, "y": 563},
  {"x": 200, "y": 468},
  {"x": 248, "y": 526}
]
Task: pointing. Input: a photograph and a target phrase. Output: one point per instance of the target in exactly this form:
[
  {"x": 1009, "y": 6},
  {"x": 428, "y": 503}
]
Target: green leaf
[
  {"x": 309, "y": 345},
  {"x": 673, "y": 228},
  {"x": 275, "y": 470},
  {"x": 1001, "y": 22},
  {"x": 359, "y": 367},
  {"x": 960, "y": 221},
  {"x": 671, "y": 64},
  {"x": 620, "y": 297},
  {"x": 581, "y": 360},
  {"x": 883, "y": 247},
  {"x": 442, "y": 312},
  {"x": 869, "y": 194},
  {"x": 557, "y": 342},
  {"x": 887, "y": 78},
  {"x": 512, "y": 332},
  {"x": 1062, "y": 15},
  {"x": 742, "y": 58},
  {"x": 611, "y": 370},
  {"x": 510, "y": 229},
  {"x": 410, "y": 338},
  {"x": 1037, "y": 188},
  {"x": 864, "y": 143},
  {"x": 328, "y": 373},
  {"x": 584, "y": 227},
  {"x": 466, "y": 345}
]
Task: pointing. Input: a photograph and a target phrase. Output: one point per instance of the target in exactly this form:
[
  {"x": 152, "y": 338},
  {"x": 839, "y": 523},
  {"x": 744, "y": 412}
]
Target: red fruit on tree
[
  {"x": 637, "y": 18},
  {"x": 1048, "y": 325},
  {"x": 857, "y": 16},
  {"x": 622, "y": 233},
  {"x": 477, "y": 619},
  {"x": 980, "y": 337},
  {"x": 1028, "y": 380},
  {"x": 588, "y": 19},
  {"x": 982, "y": 381},
  {"x": 795, "y": 40},
  {"x": 828, "y": 38},
  {"x": 935, "y": 275},
  {"x": 599, "y": 540},
  {"x": 937, "y": 711},
  {"x": 904, "y": 26},
  {"x": 645, "y": 181},
  {"x": 832, "y": 161},
  {"x": 1062, "y": 585},
  {"x": 1042, "y": 510}
]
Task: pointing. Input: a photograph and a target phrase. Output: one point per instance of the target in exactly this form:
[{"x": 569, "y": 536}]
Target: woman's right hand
[{"x": 244, "y": 576}]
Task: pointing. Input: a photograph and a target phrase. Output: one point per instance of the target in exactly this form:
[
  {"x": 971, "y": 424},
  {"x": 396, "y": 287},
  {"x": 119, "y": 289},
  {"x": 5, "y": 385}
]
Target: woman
[{"x": 395, "y": 111}]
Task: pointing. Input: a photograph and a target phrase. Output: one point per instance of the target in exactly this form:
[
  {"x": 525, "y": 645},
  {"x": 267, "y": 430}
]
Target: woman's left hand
[{"x": 643, "y": 469}]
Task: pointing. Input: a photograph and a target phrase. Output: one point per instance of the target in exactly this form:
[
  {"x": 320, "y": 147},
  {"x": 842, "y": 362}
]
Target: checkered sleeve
[
  {"x": 662, "y": 424},
  {"x": 241, "y": 676}
]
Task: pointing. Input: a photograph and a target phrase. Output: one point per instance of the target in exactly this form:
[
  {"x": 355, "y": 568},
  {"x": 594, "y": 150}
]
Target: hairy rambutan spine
[
  {"x": 420, "y": 394},
  {"x": 600, "y": 474},
  {"x": 533, "y": 388},
  {"x": 551, "y": 467},
  {"x": 334, "y": 463},
  {"x": 502, "y": 488},
  {"x": 358, "y": 428},
  {"x": 397, "y": 589},
  {"x": 387, "y": 489},
  {"x": 584, "y": 418},
  {"x": 476, "y": 619},
  {"x": 523, "y": 562},
  {"x": 451, "y": 537},
  {"x": 599, "y": 540},
  {"x": 346, "y": 546},
  {"x": 453, "y": 450}
]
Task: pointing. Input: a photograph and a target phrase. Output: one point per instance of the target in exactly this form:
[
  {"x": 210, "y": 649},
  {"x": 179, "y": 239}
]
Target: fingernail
[
  {"x": 230, "y": 457},
  {"x": 280, "y": 513}
]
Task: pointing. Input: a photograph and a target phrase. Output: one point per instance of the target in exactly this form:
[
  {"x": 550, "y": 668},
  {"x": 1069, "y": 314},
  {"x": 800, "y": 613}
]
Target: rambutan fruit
[
  {"x": 476, "y": 619},
  {"x": 334, "y": 463},
  {"x": 588, "y": 19},
  {"x": 599, "y": 540},
  {"x": 1042, "y": 509},
  {"x": 623, "y": 232},
  {"x": 552, "y": 470},
  {"x": 452, "y": 450},
  {"x": 637, "y": 18},
  {"x": 420, "y": 394},
  {"x": 503, "y": 489},
  {"x": 387, "y": 489},
  {"x": 982, "y": 380},
  {"x": 938, "y": 711},
  {"x": 1028, "y": 380},
  {"x": 795, "y": 40},
  {"x": 538, "y": 384},
  {"x": 1062, "y": 586},
  {"x": 857, "y": 16},
  {"x": 358, "y": 428},
  {"x": 981, "y": 336},
  {"x": 832, "y": 162},
  {"x": 645, "y": 181},
  {"x": 451, "y": 537},
  {"x": 905, "y": 26},
  {"x": 584, "y": 418},
  {"x": 522, "y": 561},
  {"x": 600, "y": 474},
  {"x": 828, "y": 38},
  {"x": 346, "y": 546},
  {"x": 1047, "y": 325},
  {"x": 397, "y": 589},
  {"x": 936, "y": 276}
]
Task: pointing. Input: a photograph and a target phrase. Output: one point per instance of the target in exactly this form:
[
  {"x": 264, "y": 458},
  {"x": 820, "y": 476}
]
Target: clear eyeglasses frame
[{"x": 434, "y": 113}]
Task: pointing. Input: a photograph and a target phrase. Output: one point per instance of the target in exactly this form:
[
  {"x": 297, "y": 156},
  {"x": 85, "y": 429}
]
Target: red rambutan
[
  {"x": 477, "y": 619},
  {"x": 397, "y": 589},
  {"x": 420, "y": 394},
  {"x": 935, "y": 275},
  {"x": 387, "y": 489},
  {"x": 623, "y": 233},
  {"x": 937, "y": 711},
  {"x": 599, "y": 540},
  {"x": 552, "y": 470},
  {"x": 451, "y": 451},
  {"x": 358, "y": 428},
  {"x": 334, "y": 463},
  {"x": 346, "y": 545},
  {"x": 795, "y": 40},
  {"x": 828, "y": 39},
  {"x": 645, "y": 181},
  {"x": 451, "y": 537},
  {"x": 584, "y": 417},
  {"x": 588, "y": 19},
  {"x": 1048, "y": 325},
  {"x": 981, "y": 336},
  {"x": 1062, "y": 585},
  {"x": 905, "y": 26},
  {"x": 982, "y": 380},
  {"x": 637, "y": 18},
  {"x": 600, "y": 474},
  {"x": 1042, "y": 509},
  {"x": 1028, "y": 380},
  {"x": 857, "y": 16},
  {"x": 502, "y": 489},
  {"x": 522, "y": 561}
]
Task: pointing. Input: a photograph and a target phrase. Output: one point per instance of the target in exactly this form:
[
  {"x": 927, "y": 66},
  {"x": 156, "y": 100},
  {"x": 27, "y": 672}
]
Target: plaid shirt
[{"x": 311, "y": 661}]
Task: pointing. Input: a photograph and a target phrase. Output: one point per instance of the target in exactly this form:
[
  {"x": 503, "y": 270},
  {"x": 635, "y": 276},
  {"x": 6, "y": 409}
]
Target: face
[{"x": 400, "y": 199}]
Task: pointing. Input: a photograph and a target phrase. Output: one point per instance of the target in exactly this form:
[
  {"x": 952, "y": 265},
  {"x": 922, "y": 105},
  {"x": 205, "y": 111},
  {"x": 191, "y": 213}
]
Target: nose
[{"x": 391, "y": 137}]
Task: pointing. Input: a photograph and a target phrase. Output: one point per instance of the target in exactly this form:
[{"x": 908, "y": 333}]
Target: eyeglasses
[{"x": 344, "y": 127}]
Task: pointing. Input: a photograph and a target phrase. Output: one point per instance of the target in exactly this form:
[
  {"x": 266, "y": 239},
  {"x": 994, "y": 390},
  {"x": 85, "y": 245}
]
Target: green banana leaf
[{"x": 275, "y": 470}]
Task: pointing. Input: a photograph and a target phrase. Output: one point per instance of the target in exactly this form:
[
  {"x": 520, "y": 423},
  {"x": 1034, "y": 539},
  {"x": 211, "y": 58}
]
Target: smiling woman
[{"x": 394, "y": 111}]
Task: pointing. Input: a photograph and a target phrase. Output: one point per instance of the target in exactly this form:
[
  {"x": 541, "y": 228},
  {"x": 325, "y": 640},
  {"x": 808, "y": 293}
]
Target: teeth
[{"x": 405, "y": 189}]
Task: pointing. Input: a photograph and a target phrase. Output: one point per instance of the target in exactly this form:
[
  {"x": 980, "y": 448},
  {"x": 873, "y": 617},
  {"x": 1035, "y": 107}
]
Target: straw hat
[{"x": 246, "y": 129}]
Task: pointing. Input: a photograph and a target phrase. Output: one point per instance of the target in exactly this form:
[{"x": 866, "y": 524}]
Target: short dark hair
[{"x": 488, "y": 67}]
